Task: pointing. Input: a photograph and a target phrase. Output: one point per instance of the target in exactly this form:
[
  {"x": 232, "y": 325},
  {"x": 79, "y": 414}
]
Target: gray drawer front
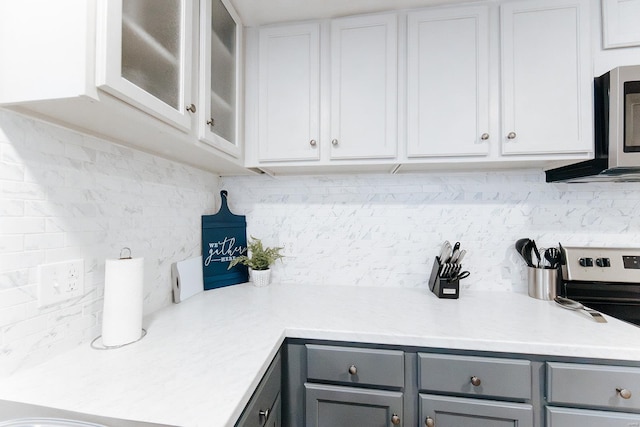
[
  {"x": 373, "y": 367},
  {"x": 594, "y": 385},
  {"x": 508, "y": 378},
  {"x": 565, "y": 417},
  {"x": 465, "y": 412},
  {"x": 265, "y": 397}
]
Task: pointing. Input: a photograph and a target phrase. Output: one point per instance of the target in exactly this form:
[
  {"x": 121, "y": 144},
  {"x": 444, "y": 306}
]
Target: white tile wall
[
  {"x": 64, "y": 195},
  {"x": 385, "y": 230}
]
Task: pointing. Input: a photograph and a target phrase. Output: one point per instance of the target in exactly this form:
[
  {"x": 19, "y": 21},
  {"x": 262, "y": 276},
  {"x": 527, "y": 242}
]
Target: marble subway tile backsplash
[
  {"x": 385, "y": 230},
  {"x": 63, "y": 196}
]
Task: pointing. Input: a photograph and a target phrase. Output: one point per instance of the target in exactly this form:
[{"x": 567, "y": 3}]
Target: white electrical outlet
[
  {"x": 60, "y": 281},
  {"x": 288, "y": 246}
]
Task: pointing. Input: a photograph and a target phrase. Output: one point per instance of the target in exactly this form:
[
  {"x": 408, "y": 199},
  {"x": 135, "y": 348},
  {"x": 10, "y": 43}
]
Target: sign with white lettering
[{"x": 224, "y": 237}]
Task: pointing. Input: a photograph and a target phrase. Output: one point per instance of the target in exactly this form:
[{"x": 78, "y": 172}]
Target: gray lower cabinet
[
  {"x": 265, "y": 407},
  {"x": 568, "y": 417},
  {"x": 446, "y": 411},
  {"x": 338, "y": 406}
]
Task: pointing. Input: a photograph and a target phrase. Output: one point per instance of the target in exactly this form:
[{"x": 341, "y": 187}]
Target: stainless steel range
[{"x": 605, "y": 279}]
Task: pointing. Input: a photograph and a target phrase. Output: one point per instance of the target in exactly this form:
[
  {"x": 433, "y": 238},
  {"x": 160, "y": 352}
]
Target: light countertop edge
[{"x": 203, "y": 358}]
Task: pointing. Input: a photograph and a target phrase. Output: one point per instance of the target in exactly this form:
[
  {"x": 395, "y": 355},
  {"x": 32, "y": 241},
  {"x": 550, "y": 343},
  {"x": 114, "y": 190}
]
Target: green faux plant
[{"x": 259, "y": 257}]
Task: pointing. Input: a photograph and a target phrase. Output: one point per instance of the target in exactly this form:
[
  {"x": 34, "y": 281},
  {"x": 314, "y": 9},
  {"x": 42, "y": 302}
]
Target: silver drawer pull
[
  {"x": 334, "y": 142},
  {"x": 191, "y": 108},
  {"x": 475, "y": 381},
  {"x": 353, "y": 370},
  {"x": 624, "y": 393},
  {"x": 429, "y": 422},
  {"x": 395, "y": 419},
  {"x": 264, "y": 414},
  {"x": 484, "y": 136},
  {"x": 511, "y": 135},
  {"x": 312, "y": 143}
]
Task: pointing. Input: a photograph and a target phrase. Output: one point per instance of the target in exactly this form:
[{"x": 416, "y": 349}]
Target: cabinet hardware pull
[
  {"x": 334, "y": 142},
  {"x": 191, "y": 108},
  {"x": 511, "y": 135},
  {"x": 211, "y": 122},
  {"x": 353, "y": 370},
  {"x": 264, "y": 414},
  {"x": 475, "y": 381},
  {"x": 395, "y": 419},
  {"x": 429, "y": 422},
  {"x": 312, "y": 143},
  {"x": 484, "y": 136},
  {"x": 624, "y": 393}
]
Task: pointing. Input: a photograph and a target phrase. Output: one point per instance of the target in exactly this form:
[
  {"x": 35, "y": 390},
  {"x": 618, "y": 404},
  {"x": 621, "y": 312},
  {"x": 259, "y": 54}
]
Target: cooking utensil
[
  {"x": 570, "y": 304},
  {"x": 446, "y": 251},
  {"x": 536, "y": 251},
  {"x": 526, "y": 254},
  {"x": 553, "y": 256}
]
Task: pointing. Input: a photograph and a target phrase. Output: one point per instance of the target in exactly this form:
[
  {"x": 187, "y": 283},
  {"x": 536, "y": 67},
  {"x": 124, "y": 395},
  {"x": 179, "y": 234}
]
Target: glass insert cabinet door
[
  {"x": 220, "y": 67},
  {"x": 145, "y": 56}
]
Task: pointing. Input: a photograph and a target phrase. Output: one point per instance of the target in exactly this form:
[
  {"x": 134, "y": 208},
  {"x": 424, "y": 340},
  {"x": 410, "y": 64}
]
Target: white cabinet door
[
  {"x": 448, "y": 82},
  {"x": 620, "y": 23},
  {"x": 364, "y": 94},
  {"x": 546, "y": 77},
  {"x": 289, "y": 93},
  {"x": 145, "y": 53},
  {"x": 220, "y": 76}
]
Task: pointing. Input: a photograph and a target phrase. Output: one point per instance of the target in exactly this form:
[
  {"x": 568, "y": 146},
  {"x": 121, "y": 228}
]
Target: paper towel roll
[{"x": 123, "y": 294}]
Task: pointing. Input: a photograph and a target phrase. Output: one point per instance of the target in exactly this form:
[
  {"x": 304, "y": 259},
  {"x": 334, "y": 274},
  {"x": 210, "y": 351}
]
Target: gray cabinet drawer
[
  {"x": 566, "y": 417},
  {"x": 264, "y": 406},
  {"x": 368, "y": 366},
  {"x": 508, "y": 378},
  {"x": 445, "y": 411},
  {"x": 336, "y": 406},
  {"x": 593, "y": 385}
]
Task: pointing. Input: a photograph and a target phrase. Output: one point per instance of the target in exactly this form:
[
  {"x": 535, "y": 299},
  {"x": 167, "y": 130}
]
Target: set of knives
[{"x": 450, "y": 260}]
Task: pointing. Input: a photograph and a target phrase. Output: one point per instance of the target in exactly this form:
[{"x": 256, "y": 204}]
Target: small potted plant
[{"x": 258, "y": 260}]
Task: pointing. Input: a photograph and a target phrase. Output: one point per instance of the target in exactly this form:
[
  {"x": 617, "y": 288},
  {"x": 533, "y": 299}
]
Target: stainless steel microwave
[{"x": 616, "y": 131}]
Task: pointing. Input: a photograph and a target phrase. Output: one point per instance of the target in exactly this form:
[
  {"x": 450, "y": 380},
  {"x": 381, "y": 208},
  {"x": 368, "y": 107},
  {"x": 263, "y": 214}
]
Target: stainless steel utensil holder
[
  {"x": 543, "y": 282},
  {"x": 443, "y": 287}
]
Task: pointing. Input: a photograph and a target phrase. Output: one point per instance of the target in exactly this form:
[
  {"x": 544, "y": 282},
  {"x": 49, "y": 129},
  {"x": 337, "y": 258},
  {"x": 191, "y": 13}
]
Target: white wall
[
  {"x": 385, "y": 230},
  {"x": 64, "y": 196}
]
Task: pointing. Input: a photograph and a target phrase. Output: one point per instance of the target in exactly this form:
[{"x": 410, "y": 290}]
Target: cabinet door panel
[
  {"x": 364, "y": 87},
  {"x": 220, "y": 75},
  {"x": 546, "y": 80},
  {"x": 289, "y": 94},
  {"x": 144, "y": 55},
  {"x": 462, "y": 412},
  {"x": 566, "y": 417},
  {"x": 334, "y": 406},
  {"x": 448, "y": 82}
]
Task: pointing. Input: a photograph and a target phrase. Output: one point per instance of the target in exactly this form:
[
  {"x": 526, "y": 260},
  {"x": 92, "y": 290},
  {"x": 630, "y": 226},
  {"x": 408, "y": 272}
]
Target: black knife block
[{"x": 443, "y": 287}]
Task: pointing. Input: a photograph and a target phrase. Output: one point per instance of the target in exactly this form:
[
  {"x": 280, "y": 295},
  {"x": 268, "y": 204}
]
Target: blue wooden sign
[{"x": 224, "y": 237}]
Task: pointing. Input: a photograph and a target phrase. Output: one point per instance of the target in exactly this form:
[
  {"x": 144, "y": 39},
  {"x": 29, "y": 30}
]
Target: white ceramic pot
[{"x": 261, "y": 278}]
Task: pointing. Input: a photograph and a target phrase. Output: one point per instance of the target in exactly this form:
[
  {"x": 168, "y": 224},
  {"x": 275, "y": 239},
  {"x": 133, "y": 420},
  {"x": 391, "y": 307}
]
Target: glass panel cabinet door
[
  {"x": 145, "y": 51},
  {"x": 219, "y": 75}
]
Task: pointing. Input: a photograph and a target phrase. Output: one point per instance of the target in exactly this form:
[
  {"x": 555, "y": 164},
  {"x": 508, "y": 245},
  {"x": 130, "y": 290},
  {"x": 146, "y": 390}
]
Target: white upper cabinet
[
  {"x": 289, "y": 93},
  {"x": 220, "y": 76},
  {"x": 145, "y": 55},
  {"x": 364, "y": 93},
  {"x": 546, "y": 77},
  {"x": 620, "y": 23},
  {"x": 448, "y": 82}
]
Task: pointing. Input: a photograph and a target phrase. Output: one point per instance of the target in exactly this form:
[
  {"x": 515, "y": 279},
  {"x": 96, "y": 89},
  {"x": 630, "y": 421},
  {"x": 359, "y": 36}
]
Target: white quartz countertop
[{"x": 202, "y": 359}]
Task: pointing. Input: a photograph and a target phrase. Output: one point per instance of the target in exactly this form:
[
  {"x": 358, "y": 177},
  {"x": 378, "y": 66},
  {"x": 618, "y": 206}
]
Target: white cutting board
[{"x": 186, "y": 278}]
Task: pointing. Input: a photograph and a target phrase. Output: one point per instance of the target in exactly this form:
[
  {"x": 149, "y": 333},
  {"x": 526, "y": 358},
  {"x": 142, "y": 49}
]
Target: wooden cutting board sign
[{"x": 224, "y": 237}]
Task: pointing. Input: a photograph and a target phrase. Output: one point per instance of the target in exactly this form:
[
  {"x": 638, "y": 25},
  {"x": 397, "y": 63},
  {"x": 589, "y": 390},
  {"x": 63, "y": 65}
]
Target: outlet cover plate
[{"x": 60, "y": 281}]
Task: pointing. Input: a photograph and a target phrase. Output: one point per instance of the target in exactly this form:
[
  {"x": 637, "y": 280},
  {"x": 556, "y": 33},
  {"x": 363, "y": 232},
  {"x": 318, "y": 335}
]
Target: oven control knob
[
  {"x": 586, "y": 262},
  {"x": 603, "y": 262}
]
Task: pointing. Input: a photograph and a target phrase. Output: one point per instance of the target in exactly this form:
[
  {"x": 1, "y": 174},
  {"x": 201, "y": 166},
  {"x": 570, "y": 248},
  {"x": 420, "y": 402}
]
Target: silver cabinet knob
[
  {"x": 211, "y": 122},
  {"x": 191, "y": 108},
  {"x": 334, "y": 142},
  {"x": 429, "y": 422},
  {"x": 395, "y": 419},
  {"x": 312, "y": 143},
  {"x": 475, "y": 381},
  {"x": 511, "y": 135},
  {"x": 264, "y": 414},
  {"x": 484, "y": 136},
  {"x": 353, "y": 370},
  {"x": 624, "y": 393}
]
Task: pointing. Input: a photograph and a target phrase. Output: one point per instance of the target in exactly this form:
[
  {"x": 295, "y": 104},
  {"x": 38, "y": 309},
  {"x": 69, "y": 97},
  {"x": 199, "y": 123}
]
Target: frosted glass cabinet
[{"x": 145, "y": 56}]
